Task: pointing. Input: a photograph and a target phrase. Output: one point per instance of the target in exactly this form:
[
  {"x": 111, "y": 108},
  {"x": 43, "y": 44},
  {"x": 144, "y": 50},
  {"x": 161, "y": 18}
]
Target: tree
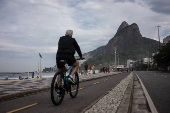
[
  {"x": 163, "y": 57},
  {"x": 141, "y": 67}
]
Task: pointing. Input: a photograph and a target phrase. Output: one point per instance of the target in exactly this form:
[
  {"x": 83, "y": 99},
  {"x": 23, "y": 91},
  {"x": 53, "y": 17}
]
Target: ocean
[{"x": 15, "y": 75}]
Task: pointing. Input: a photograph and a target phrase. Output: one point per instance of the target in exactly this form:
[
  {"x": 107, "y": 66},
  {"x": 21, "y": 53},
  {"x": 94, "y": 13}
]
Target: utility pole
[
  {"x": 148, "y": 60},
  {"x": 40, "y": 66},
  {"x": 158, "y": 37},
  {"x": 51, "y": 70},
  {"x": 38, "y": 70},
  {"x": 115, "y": 60},
  {"x": 118, "y": 59},
  {"x": 28, "y": 74}
]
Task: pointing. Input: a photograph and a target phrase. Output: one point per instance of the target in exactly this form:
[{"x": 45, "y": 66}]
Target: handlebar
[{"x": 80, "y": 59}]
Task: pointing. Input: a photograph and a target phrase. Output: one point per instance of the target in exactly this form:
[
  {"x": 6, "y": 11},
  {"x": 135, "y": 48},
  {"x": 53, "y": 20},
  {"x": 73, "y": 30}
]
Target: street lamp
[
  {"x": 115, "y": 60},
  {"x": 158, "y": 36},
  {"x": 118, "y": 58}
]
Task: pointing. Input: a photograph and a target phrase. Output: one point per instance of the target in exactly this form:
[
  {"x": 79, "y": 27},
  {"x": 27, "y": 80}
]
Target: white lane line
[{"x": 150, "y": 102}]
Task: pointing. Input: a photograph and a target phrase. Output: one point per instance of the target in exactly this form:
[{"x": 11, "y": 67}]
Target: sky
[{"x": 30, "y": 27}]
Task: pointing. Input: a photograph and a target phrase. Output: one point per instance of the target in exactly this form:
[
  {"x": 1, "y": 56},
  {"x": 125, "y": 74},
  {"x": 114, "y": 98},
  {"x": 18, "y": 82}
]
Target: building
[
  {"x": 119, "y": 67},
  {"x": 146, "y": 60},
  {"x": 165, "y": 40},
  {"x": 129, "y": 64},
  {"x": 50, "y": 69}
]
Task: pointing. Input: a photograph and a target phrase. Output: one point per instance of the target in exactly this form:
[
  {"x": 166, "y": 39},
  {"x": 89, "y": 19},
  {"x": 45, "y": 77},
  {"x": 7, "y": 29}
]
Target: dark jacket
[{"x": 68, "y": 45}]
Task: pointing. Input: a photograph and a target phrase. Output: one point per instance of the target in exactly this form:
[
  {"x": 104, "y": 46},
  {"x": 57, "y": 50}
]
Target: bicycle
[{"x": 60, "y": 85}]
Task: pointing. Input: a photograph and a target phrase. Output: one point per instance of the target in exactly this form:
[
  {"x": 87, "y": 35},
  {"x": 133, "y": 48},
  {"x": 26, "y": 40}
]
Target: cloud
[
  {"x": 35, "y": 26},
  {"x": 159, "y": 6},
  {"x": 90, "y": 5}
]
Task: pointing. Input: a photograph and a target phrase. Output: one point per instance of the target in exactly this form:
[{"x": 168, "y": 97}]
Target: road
[
  {"x": 89, "y": 93},
  {"x": 157, "y": 85}
]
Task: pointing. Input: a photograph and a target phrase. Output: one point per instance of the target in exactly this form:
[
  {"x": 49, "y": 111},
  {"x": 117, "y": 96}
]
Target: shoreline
[{"x": 11, "y": 80}]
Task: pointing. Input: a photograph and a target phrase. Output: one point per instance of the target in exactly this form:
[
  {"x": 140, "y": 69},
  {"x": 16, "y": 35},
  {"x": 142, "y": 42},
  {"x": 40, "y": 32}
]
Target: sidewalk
[{"x": 17, "y": 88}]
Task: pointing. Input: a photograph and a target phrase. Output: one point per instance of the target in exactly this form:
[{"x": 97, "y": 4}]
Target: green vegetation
[
  {"x": 105, "y": 60},
  {"x": 96, "y": 51},
  {"x": 141, "y": 67},
  {"x": 162, "y": 59},
  {"x": 100, "y": 61}
]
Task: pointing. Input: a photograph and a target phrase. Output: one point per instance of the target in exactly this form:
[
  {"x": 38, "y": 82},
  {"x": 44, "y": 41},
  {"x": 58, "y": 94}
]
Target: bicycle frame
[{"x": 64, "y": 77}]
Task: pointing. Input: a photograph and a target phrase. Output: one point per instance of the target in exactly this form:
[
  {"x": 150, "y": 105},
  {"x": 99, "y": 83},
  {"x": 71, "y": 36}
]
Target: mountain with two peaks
[{"x": 129, "y": 44}]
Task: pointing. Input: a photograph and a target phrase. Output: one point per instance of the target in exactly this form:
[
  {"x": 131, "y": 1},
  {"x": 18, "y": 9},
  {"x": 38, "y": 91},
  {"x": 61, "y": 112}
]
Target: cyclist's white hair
[{"x": 69, "y": 32}]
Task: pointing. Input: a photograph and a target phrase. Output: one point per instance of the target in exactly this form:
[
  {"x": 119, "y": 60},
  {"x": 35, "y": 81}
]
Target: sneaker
[
  {"x": 70, "y": 80},
  {"x": 58, "y": 93}
]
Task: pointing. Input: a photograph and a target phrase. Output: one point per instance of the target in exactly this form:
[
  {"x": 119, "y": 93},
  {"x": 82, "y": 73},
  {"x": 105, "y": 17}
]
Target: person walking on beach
[
  {"x": 20, "y": 78},
  {"x": 86, "y": 68},
  {"x": 106, "y": 69}
]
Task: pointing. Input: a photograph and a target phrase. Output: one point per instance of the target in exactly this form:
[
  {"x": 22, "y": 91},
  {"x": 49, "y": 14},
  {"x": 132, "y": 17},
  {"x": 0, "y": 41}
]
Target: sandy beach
[{"x": 20, "y": 80}]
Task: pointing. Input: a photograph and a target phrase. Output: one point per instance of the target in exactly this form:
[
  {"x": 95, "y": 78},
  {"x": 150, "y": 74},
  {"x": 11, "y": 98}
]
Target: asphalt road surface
[
  {"x": 158, "y": 86},
  {"x": 90, "y": 92}
]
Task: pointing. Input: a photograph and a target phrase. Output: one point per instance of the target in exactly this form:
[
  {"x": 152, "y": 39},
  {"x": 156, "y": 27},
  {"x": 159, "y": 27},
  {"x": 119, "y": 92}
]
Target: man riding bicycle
[{"x": 66, "y": 50}]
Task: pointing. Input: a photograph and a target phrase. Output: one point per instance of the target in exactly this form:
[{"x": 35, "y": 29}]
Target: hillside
[{"x": 129, "y": 44}]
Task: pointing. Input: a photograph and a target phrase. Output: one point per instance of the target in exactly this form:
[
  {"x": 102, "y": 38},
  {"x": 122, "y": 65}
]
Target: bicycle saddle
[{"x": 63, "y": 62}]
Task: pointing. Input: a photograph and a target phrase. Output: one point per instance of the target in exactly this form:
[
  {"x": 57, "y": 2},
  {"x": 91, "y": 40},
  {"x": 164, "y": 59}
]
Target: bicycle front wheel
[
  {"x": 74, "y": 87},
  {"x": 57, "y": 92}
]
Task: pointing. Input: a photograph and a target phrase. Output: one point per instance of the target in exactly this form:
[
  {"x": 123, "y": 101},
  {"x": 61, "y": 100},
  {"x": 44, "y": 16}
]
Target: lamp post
[
  {"x": 38, "y": 70},
  {"x": 40, "y": 66},
  {"x": 118, "y": 58},
  {"x": 148, "y": 60},
  {"x": 158, "y": 37},
  {"x": 115, "y": 60}
]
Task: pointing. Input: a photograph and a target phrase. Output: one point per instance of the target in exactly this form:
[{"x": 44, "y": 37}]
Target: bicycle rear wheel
[
  {"x": 56, "y": 82},
  {"x": 74, "y": 87}
]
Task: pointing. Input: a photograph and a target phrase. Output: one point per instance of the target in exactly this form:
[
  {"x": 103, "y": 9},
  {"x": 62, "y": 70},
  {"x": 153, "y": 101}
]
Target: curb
[
  {"x": 126, "y": 103},
  {"x": 21, "y": 94},
  {"x": 26, "y": 93}
]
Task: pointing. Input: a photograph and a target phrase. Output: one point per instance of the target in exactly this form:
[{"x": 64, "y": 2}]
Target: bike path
[
  {"x": 89, "y": 92},
  {"x": 19, "y": 88}
]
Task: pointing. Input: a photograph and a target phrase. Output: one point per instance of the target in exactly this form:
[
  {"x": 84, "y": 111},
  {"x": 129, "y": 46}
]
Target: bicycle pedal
[{"x": 72, "y": 83}]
